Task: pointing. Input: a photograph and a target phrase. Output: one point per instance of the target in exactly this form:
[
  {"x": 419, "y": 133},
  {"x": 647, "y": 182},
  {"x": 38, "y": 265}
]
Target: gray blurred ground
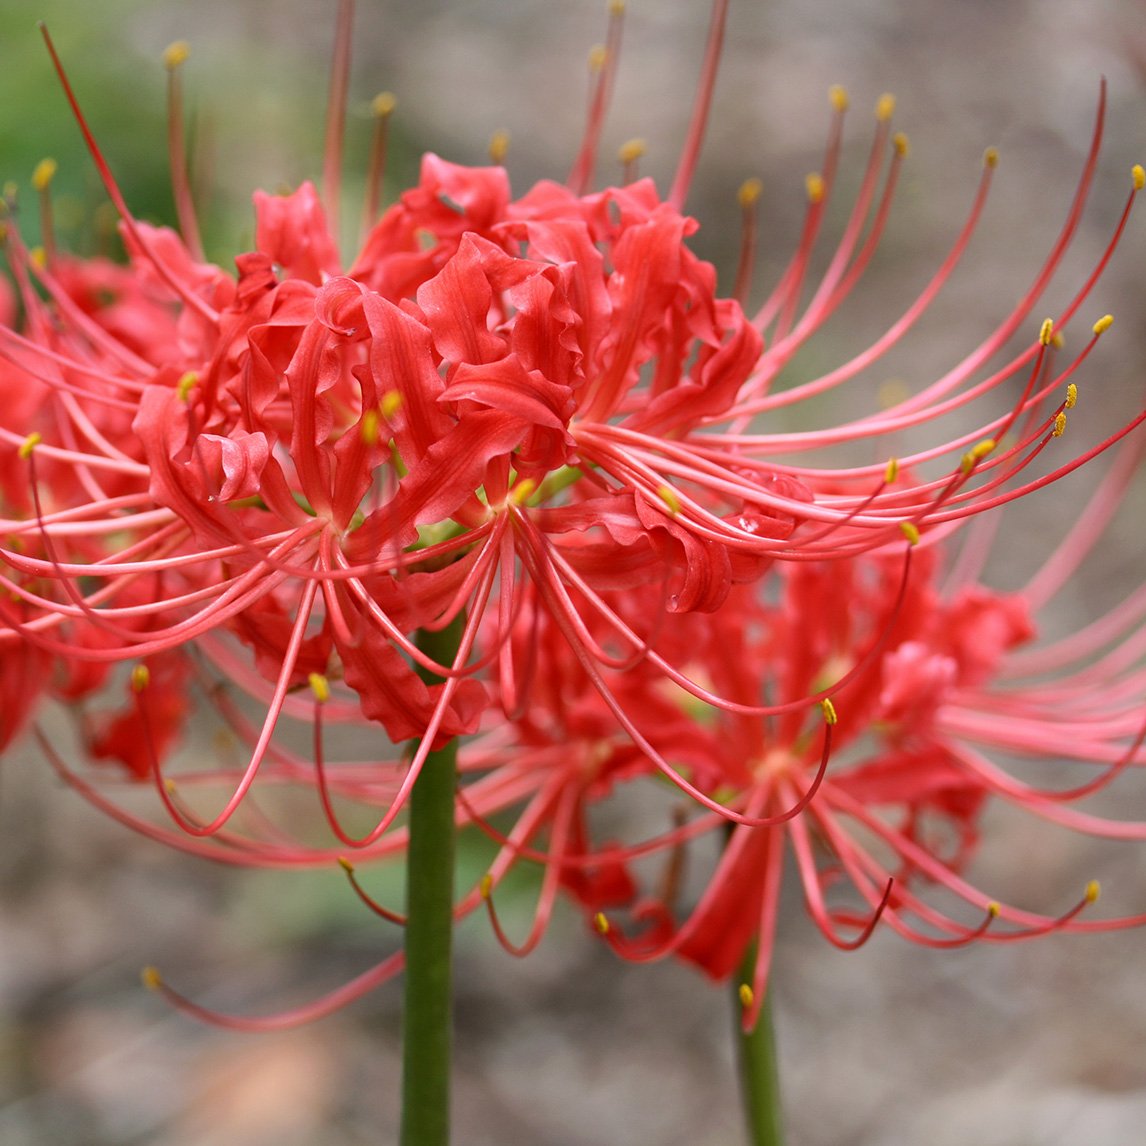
[{"x": 1041, "y": 1044}]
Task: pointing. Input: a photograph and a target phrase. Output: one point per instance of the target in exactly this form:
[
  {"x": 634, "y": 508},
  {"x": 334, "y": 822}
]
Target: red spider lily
[{"x": 537, "y": 417}]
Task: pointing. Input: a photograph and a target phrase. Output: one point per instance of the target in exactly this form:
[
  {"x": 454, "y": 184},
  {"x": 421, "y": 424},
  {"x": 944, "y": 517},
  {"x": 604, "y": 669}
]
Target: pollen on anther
[
  {"x": 669, "y": 496},
  {"x": 486, "y": 886},
  {"x": 885, "y": 107},
  {"x": 140, "y": 678},
  {"x": 391, "y": 403},
  {"x": 601, "y": 923},
  {"x": 1046, "y": 331},
  {"x": 746, "y": 995},
  {"x": 346, "y": 865},
  {"x": 151, "y": 978},
  {"x": 632, "y": 150},
  {"x": 598, "y": 54},
  {"x": 44, "y": 173},
  {"x": 1059, "y": 425},
  {"x": 993, "y": 909},
  {"x": 1092, "y": 891},
  {"x": 814, "y": 187},
  {"x": 900, "y": 142},
  {"x": 369, "y": 428},
  {"x": 383, "y": 105},
  {"x": 892, "y": 470},
  {"x": 839, "y": 97},
  {"x": 976, "y": 454},
  {"x": 175, "y": 54},
  {"x": 910, "y": 531},
  {"x": 186, "y": 384},
  {"x": 1138, "y": 176},
  {"x": 320, "y": 686},
  {"x": 749, "y": 192},
  {"x": 498, "y": 147},
  {"x": 29, "y": 444},
  {"x": 829, "y": 711},
  {"x": 1071, "y": 396},
  {"x": 991, "y": 157},
  {"x": 1103, "y": 324}
]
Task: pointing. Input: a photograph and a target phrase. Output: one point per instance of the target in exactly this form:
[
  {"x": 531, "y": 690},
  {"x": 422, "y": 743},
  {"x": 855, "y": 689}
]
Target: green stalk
[
  {"x": 427, "y": 1019},
  {"x": 759, "y": 1074}
]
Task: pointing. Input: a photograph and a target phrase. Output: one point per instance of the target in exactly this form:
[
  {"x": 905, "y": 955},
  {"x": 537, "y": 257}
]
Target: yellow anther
[
  {"x": 368, "y": 428},
  {"x": 498, "y": 147},
  {"x": 29, "y": 444},
  {"x": 814, "y": 187},
  {"x": 601, "y": 923},
  {"x": 993, "y": 910},
  {"x": 669, "y": 496},
  {"x": 42, "y": 176},
  {"x": 839, "y": 97},
  {"x": 885, "y": 107},
  {"x": 1046, "y": 331},
  {"x": 1138, "y": 175},
  {"x": 1103, "y": 324},
  {"x": 1092, "y": 891},
  {"x": 1059, "y": 425},
  {"x": 900, "y": 143},
  {"x": 910, "y": 531},
  {"x": 617, "y": 7},
  {"x": 746, "y": 995},
  {"x": 170, "y": 787},
  {"x": 829, "y": 711},
  {"x": 598, "y": 54},
  {"x": 151, "y": 978},
  {"x": 186, "y": 384},
  {"x": 892, "y": 470},
  {"x": 1071, "y": 396},
  {"x": 320, "y": 686},
  {"x": 522, "y": 491},
  {"x": 486, "y": 886},
  {"x": 391, "y": 403},
  {"x": 632, "y": 150},
  {"x": 749, "y": 192},
  {"x": 140, "y": 678},
  {"x": 977, "y": 453},
  {"x": 346, "y": 865},
  {"x": 38, "y": 257},
  {"x": 176, "y": 54},
  {"x": 383, "y": 104},
  {"x": 991, "y": 157}
]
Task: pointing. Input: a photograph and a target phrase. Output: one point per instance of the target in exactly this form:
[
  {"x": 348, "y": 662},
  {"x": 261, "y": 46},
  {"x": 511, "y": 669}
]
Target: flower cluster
[{"x": 513, "y": 476}]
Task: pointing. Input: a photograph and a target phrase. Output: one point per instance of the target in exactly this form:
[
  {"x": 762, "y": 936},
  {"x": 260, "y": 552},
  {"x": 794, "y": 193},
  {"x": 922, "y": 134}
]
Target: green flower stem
[
  {"x": 427, "y": 1019},
  {"x": 759, "y": 1075}
]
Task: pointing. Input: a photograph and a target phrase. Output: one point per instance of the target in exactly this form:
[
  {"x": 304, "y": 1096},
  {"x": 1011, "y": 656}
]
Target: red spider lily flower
[{"x": 532, "y": 416}]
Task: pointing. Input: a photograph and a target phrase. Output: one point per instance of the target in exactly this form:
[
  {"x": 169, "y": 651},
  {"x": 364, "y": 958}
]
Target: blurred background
[{"x": 1018, "y": 1045}]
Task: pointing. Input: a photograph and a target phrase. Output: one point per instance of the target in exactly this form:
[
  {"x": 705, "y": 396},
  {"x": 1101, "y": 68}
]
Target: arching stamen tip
[
  {"x": 486, "y": 886},
  {"x": 346, "y": 865},
  {"x": 140, "y": 678},
  {"x": 598, "y": 55},
  {"x": 670, "y": 498},
  {"x": 749, "y": 193},
  {"x": 1093, "y": 890},
  {"x": 910, "y": 531},
  {"x": 44, "y": 173},
  {"x": 839, "y": 97},
  {"x": 1071, "y": 396},
  {"x": 498, "y": 147},
  {"x": 885, "y": 107},
  {"x": 29, "y": 444},
  {"x": 601, "y": 923},
  {"x": 993, "y": 909},
  {"x": 892, "y": 470},
  {"x": 900, "y": 142},
  {"x": 186, "y": 384},
  {"x": 320, "y": 686},
  {"x": 1059, "y": 425},
  {"x": 175, "y": 54},
  {"x": 632, "y": 150},
  {"x": 169, "y": 786},
  {"x": 151, "y": 978},
  {"x": 383, "y": 105},
  {"x": 976, "y": 454},
  {"x": 991, "y": 157},
  {"x": 1103, "y": 324},
  {"x": 746, "y": 995},
  {"x": 1046, "y": 331},
  {"x": 1138, "y": 176},
  {"x": 814, "y": 187},
  {"x": 616, "y": 7},
  {"x": 829, "y": 709}
]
